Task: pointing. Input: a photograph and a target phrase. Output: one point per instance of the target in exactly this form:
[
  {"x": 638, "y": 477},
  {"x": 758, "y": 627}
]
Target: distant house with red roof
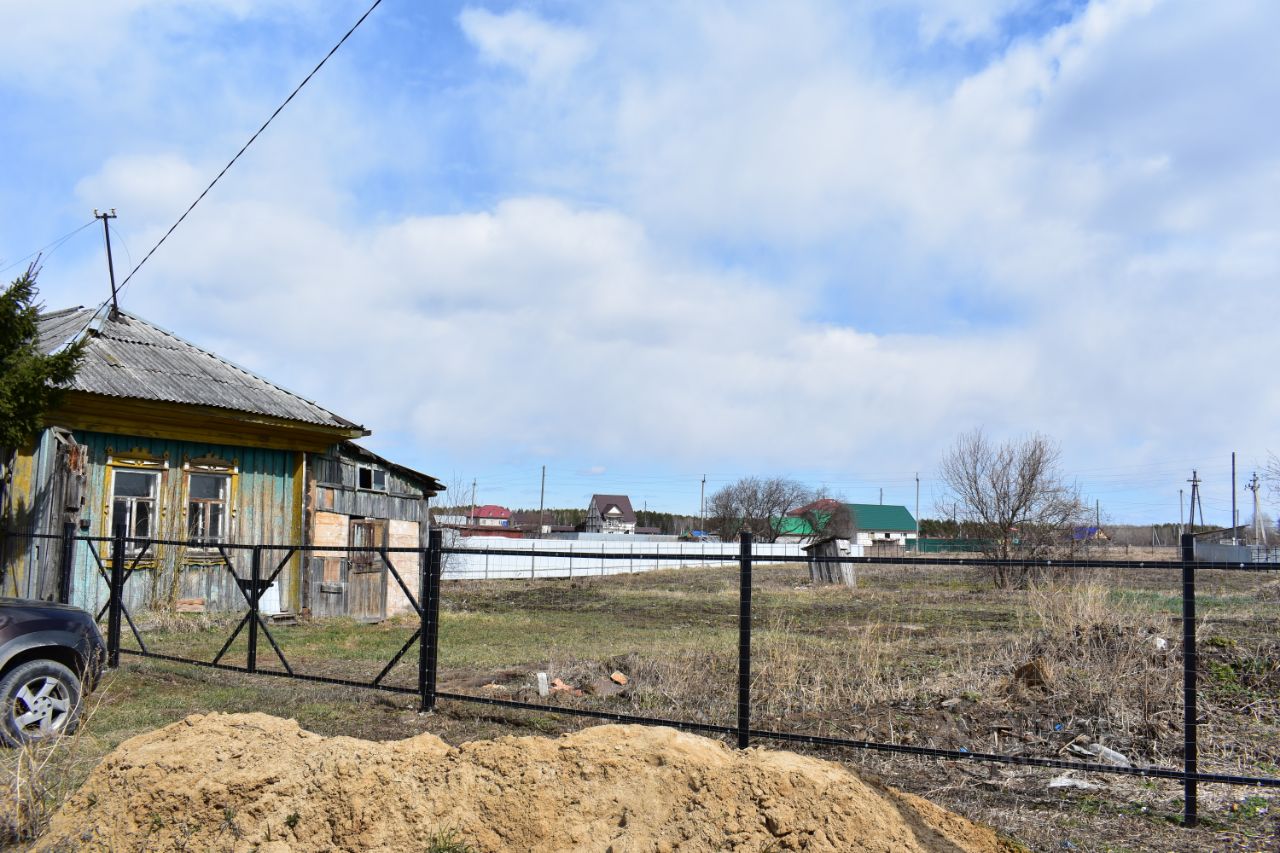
[
  {"x": 610, "y": 514},
  {"x": 489, "y": 515}
]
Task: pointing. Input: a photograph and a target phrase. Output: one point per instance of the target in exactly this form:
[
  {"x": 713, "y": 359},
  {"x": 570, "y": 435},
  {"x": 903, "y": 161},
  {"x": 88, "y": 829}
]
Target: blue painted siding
[{"x": 262, "y": 507}]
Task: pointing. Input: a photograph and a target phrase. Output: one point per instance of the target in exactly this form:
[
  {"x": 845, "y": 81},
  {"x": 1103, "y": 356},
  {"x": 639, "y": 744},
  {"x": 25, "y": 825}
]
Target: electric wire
[
  {"x": 48, "y": 248},
  {"x": 245, "y": 147}
]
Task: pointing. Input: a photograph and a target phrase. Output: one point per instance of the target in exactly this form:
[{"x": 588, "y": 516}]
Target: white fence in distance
[
  {"x": 1221, "y": 552},
  {"x": 479, "y": 564}
]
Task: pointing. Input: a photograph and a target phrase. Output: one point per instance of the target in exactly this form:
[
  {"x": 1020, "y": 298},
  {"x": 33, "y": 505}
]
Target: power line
[
  {"x": 245, "y": 147},
  {"x": 49, "y": 248}
]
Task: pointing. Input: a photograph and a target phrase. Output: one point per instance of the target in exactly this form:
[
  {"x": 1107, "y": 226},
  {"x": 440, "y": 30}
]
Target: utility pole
[
  {"x": 111, "y": 269},
  {"x": 472, "y": 518},
  {"x": 882, "y": 496},
  {"x": 702, "y": 507},
  {"x": 1259, "y": 529},
  {"x": 1235, "y": 515},
  {"x": 542, "y": 500},
  {"x": 1180, "y": 529},
  {"x": 1195, "y": 497},
  {"x": 917, "y": 512}
]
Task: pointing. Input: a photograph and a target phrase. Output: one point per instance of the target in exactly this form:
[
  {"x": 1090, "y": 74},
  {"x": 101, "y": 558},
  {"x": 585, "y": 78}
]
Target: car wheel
[{"x": 38, "y": 699}]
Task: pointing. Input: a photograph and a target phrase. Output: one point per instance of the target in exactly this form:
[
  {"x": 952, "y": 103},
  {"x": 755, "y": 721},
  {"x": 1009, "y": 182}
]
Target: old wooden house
[{"x": 179, "y": 445}]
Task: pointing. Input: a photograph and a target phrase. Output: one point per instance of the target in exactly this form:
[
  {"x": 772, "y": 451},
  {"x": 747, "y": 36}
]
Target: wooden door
[{"x": 366, "y": 572}]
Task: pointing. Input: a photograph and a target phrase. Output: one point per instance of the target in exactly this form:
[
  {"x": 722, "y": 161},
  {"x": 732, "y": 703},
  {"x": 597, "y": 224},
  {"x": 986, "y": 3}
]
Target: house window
[
  {"x": 371, "y": 479},
  {"x": 133, "y": 503},
  {"x": 207, "y": 507}
]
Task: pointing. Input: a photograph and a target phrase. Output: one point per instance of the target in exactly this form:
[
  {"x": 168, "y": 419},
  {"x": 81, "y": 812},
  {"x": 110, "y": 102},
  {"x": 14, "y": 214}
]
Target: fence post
[
  {"x": 255, "y": 580},
  {"x": 431, "y": 622},
  {"x": 744, "y": 639},
  {"x": 64, "y": 564},
  {"x": 1190, "y": 747},
  {"x": 424, "y": 636},
  {"x": 115, "y": 593}
]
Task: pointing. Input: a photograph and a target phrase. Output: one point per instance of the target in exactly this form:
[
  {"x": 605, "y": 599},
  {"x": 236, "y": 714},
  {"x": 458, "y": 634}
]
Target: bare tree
[
  {"x": 453, "y": 503},
  {"x": 828, "y": 517},
  {"x": 1013, "y": 496},
  {"x": 755, "y": 504}
]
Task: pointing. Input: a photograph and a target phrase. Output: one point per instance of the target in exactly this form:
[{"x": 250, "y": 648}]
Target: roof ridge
[{"x": 61, "y": 311}]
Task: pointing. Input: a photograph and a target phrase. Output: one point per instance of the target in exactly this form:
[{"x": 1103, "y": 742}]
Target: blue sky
[{"x": 637, "y": 243}]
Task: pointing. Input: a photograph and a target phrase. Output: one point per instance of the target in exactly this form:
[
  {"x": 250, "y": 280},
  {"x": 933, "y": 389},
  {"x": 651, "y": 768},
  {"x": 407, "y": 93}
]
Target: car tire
[{"x": 39, "y": 699}]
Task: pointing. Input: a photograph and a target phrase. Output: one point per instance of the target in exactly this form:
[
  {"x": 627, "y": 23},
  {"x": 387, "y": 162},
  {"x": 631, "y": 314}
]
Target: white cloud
[
  {"x": 963, "y": 20},
  {"x": 150, "y": 187},
  {"x": 525, "y": 327},
  {"x": 521, "y": 40},
  {"x": 74, "y": 45},
  {"x": 685, "y": 228}
]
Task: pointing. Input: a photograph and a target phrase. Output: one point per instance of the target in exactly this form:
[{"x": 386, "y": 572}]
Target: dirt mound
[{"x": 254, "y": 782}]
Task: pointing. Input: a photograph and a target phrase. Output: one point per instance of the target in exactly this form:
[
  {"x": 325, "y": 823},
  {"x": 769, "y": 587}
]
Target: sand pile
[{"x": 254, "y": 782}]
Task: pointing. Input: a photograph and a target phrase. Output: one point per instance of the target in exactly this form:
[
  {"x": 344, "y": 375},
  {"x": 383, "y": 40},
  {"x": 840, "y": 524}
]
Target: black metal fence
[{"x": 117, "y": 564}]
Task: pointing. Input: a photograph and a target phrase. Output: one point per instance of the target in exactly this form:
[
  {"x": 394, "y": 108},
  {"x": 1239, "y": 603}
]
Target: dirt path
[{"x": 254, "y": 782}]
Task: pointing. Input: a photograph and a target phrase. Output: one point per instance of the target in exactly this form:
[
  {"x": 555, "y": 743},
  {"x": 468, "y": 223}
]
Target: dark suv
[{"x": 50, "y": 654}]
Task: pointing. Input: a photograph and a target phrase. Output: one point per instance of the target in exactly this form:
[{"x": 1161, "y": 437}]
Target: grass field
[{"x": 919, "y": 655}]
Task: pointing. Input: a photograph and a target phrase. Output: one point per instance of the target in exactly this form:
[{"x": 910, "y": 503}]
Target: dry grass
[
  {"x": 917, "y": 654},
  {"x": 1067, "y": 661},
  {"x": 1115, "y": 671},
  {"x": 36, "y": 778},
  {"x": 172, "y": 622},
  {"x": 797, "y": 673}
]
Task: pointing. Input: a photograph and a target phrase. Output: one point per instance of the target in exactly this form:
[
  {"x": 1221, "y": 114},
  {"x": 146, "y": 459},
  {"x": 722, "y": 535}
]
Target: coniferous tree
[{"x": 30, "y": 381}]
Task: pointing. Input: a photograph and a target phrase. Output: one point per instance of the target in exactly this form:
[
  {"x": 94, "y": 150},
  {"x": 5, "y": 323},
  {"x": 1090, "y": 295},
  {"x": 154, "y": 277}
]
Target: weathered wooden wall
[
  {"x": 334, "y": 478},
  {"x": 27, "y": 499},
  {"x": 264, "y": 509},
  {"x": 340, "y": 583}
]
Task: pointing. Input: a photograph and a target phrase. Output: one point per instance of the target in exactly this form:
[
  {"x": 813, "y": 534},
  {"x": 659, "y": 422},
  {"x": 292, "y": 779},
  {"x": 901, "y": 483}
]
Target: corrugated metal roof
[
  {"x": 790, "y": 525},
  {"x": 874, "y": 517},
  {"x": 131, "y": 358}
]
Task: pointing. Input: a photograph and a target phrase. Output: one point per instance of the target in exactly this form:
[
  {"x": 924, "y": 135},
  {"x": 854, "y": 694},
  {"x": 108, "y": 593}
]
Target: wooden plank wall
[
  {"x": 336, "y": 478},
  {"x": 264, "y": 511},
  {"x": 334, "y": 500},
  {"x": 27, "y": 513}
]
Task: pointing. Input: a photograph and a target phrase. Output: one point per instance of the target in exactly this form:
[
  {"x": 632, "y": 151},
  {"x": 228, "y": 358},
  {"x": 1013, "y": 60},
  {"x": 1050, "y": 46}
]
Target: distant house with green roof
[
  {"x": 877, "y": 524},
  {"x": 871, "y": 524}
]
